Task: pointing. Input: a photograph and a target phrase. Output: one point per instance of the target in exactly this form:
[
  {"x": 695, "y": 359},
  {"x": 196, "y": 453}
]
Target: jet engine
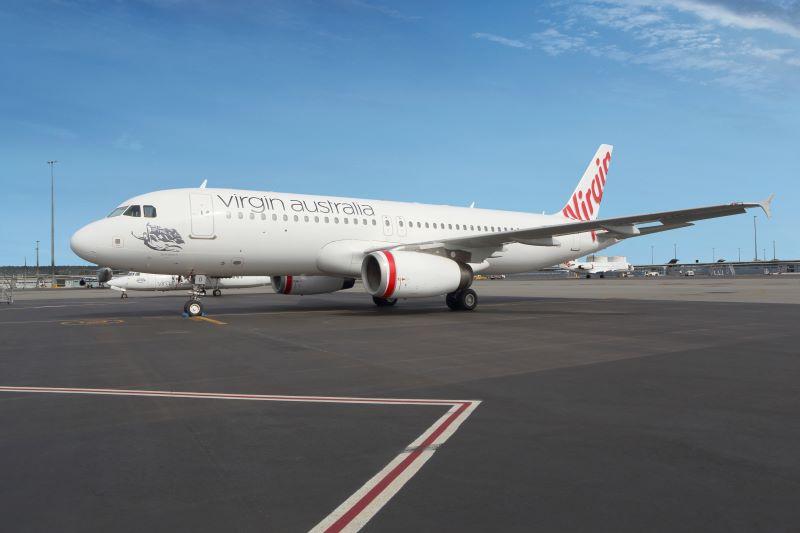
[
  {"x": 412, "y": 275},
  {"x": 104, "y": 274},
  {"x": 310, "y": 284}
]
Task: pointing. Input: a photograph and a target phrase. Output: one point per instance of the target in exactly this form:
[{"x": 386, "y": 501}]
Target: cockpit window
[
  {"x": 133, "y": 211},
  {"x": 118, "y": 211},
  {"x": 149, "y": 211}
]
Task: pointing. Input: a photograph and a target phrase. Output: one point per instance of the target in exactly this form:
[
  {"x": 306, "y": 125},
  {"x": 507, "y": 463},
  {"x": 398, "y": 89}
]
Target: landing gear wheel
[
  {"x": 216, "y": 292},
  {"x": 588, "y": 276},
  {"x": 452, "y": 301},
  {"x": 193, "y": 308},
  {"x": 468, "y": 300},
  {"x": 384, "y": 302},
  {"x": 463, "y": 300},
  {"x": 602, "y": 276},
  {"x": 123, "y": 295}
]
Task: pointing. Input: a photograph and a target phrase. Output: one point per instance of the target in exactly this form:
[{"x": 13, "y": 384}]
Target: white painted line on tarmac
[{"x": 362, "y": 505}]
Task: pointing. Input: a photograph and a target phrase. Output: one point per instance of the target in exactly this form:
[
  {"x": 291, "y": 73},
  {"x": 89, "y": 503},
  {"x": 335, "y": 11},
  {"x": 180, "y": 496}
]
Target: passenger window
[
  {"x": 274, "y": 217},
  {"x": 241, "y": 215},
  {"x": 458, "y": 227},
  {"x": 401, "y": 223},
  {"x": 364, "y": 221},
  {"x": 117, "y": 211},
  {"x": 228, "y": 214},
  {"x": 386, "y": 222},
  {"x": 133, "y": 211},
  {"x": 335, "y": 220},
  {"x": 327, "y": 220},
  {"x": 346, "y": 220},
  {"x": 449, "y": 226},
  {"x": 263, "y": 216},
  {"x": 252, "y": 216},
  {"x": 355, "y": 221},
  {"x": 434, "y": 225},
  {"x": 374, "y": 222},
  {"x": 419, "y": 224},
  {"x": 305, "y": 218},
  {"x": 471, "y": 227},
  {"x": 285, "y": 218},
  {"x": 296, "y": 218},
  {"x": 427, "y": 225},
  {"x": 149, "y": 211},
  {"x": 316, "y": 219}
]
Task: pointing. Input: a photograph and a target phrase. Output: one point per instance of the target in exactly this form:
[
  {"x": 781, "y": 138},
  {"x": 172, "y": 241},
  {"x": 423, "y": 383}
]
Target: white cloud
[
  {"x": 554, "y": 42},
  {"x": 728, "y": 17},
  {"x": 513, "y": 43}
]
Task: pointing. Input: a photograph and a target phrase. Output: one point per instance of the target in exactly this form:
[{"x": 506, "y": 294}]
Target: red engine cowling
[
  {"x": 309, "y": 284},
  {"x": 412, "y": 274}
]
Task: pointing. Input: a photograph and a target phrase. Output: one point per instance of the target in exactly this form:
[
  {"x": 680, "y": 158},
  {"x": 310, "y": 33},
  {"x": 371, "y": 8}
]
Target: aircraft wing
[{"x": 617, "y": 228}]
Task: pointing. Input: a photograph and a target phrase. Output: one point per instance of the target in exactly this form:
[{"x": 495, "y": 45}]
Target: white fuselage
[
  {"x": 599, "y": 267},
  {"x": 225, "y": 232},
  {"x": 141, "y": 281}
]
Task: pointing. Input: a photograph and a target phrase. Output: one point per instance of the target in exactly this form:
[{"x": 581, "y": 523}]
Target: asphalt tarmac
[{"x": 599, "y": 410}]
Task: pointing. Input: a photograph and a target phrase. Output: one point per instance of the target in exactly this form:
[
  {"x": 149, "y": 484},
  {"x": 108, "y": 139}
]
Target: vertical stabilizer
[{"x": 584, "y": 204}]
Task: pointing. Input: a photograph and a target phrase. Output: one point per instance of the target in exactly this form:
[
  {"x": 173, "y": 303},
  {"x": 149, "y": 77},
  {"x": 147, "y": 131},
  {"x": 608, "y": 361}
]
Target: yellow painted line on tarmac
[
  {"x": 206, "y": 319},
  {"x": 93, "y": 322}
]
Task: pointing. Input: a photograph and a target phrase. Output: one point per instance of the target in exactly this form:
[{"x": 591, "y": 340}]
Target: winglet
[
  {"x": 766, "y": 205},
  {"x": 203, "y": 185}
]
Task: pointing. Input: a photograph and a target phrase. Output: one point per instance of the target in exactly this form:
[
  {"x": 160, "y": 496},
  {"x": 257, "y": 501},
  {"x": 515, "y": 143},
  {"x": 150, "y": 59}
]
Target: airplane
[
  {"x": 141, "y": 281},
  {"x": 313, "y": 244},
  {"x": 599, "y": 267}
]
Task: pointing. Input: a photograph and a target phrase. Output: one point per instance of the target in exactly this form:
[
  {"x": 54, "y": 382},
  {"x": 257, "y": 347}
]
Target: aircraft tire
[
  {"x": 384, "y": 302},
  {"x": 193, "y": 308},
  {"x": 216, "y": 292},
  {"x": 451, "y": 299},
  {"x": 467, "y": 299}
]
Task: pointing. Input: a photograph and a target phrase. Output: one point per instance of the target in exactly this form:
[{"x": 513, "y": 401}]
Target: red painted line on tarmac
[
  {"x": 355, "y": 511},
  {"x": 373, "y": 493}
]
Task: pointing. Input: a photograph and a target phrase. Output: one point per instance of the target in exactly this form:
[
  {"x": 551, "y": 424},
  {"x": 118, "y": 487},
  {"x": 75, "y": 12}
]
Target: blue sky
[{"x": 443, "y": 102}]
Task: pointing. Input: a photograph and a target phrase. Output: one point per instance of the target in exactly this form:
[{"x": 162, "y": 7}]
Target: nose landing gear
[{"x": 193, "y": 306}]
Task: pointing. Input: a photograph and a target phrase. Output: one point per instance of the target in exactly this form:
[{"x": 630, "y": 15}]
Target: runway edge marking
[{"x": 362, "y": 505}]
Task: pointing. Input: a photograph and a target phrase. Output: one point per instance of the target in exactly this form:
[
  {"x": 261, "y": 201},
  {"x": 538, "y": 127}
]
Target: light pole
[
  {"x": 755, "y": 237},
  {"x": 713, "y": 254},
  {"x": 740, "y": 255},
  {"x": 37, "y": 259},
  {"x": 52, "y": 163},
  {"x": 675, "y": 251},
  {"x": 774, "y": 255},
  {"x": 652, "y": 262}
]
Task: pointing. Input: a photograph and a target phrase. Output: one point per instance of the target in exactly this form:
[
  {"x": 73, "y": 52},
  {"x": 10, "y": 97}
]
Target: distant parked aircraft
[
  {"x": 141, "y": 281},
  {"x": 600, "y": 266}
]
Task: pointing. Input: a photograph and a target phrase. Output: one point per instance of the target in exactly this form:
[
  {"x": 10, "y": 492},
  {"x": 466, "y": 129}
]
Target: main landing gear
[
  {"x": 463, "y": 300},
  {"x": 216, "y": 292},
  {"x": 384, "y": 302}
]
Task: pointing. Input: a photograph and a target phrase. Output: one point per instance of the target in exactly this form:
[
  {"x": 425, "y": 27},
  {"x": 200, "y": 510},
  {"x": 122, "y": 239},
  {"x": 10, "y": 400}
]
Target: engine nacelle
[
  {"x": 412, "y": 274},
  {"x": 104, "y": 274},
  {"x": 310, "y": 284}
]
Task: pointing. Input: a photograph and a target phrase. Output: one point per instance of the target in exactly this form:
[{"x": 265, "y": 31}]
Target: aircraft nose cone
[{"x": 83, "y": 244}]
